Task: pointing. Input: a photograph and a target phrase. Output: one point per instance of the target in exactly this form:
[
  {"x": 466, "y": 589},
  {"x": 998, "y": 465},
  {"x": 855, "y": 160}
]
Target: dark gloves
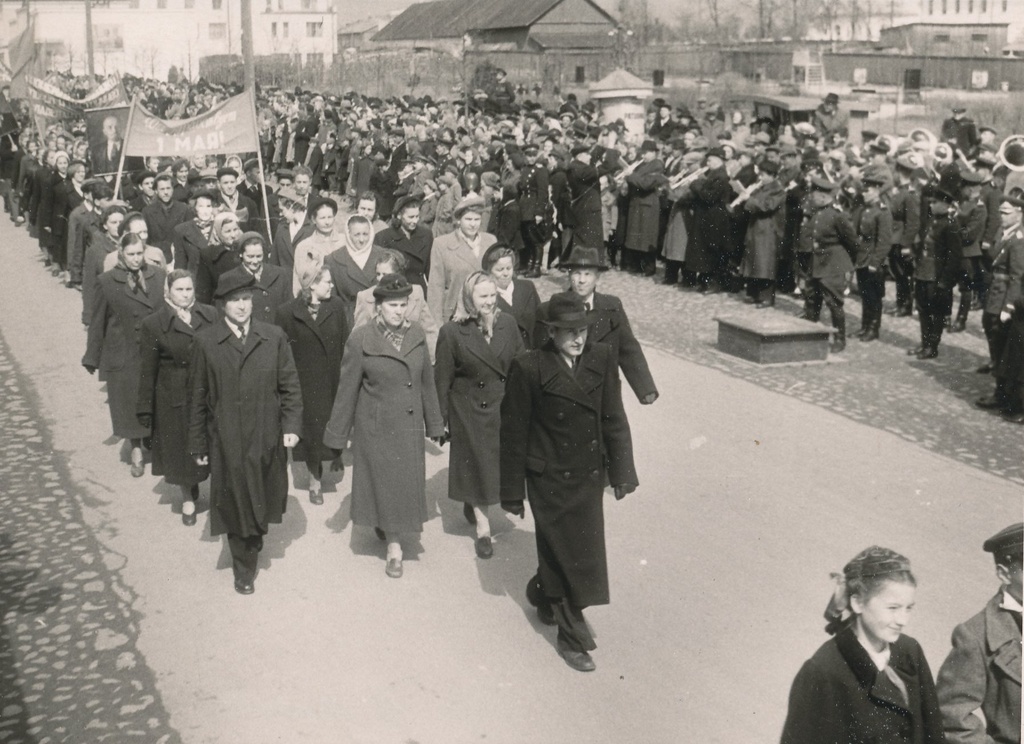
[
  {"x": 90, "y": 369},
  {"x": 624, "y": 490},
  {"x": 145, "y": 420},
  {"x": 517, "y": 508}
]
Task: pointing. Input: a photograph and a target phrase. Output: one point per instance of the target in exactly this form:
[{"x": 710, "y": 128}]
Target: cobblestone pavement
[
  {"x": 69, "y": 667},
  {"x": 929, "y": 403}
]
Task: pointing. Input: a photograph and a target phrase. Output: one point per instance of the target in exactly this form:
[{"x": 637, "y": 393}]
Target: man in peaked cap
[
  {"x": 564, "y": 435},
  {"x": 983, "y": 669},
  {"x": 246, "y": 409}
]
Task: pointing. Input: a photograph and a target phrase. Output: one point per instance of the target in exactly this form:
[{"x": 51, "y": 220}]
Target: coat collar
[
  {"x": 256, "y": 336},
  {"x": 148, "y": 272},
  {"x": 365, "y": 276},
  {"x": 877, "y": 684},
  {"x": 556, "y": 378},
  {"x": 168, "y": 316},
  {"x": 489, "y": 353},
  {"x": 374, "y": 343},
  {"x": 1003, "y": 638}
]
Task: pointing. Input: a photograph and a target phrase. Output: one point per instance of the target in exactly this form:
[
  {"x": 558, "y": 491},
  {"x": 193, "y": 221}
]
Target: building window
[
  {"x": 218, "y": 30},
  {"x": 309, "y": 4},
  {"x": 189, "y": 4},
  {"x": 956, "y": 6},
  {"x": 133, "y": 4},
  {"x": 984, "y": 6},
  {"x": 315, "y": 59},
  {"x": 1004, "y": 6},
  {"x": 217, "y": 4},
  {"x": 970, "y": 6},
  {"x": 943, "y": 7},
  {"x": 161, "y": 4},
  {"x": 280, "y": 4},
  {"x": 979, "y": 37},
  {"x": 941, "y": 38},
  {"x": 284, "y": 30},
  {"x": 931, "y": 7},
  {"x": 581, "y": 74},
  {"x": 273, "y": 30},
  {"x": 315, "y": 29}
]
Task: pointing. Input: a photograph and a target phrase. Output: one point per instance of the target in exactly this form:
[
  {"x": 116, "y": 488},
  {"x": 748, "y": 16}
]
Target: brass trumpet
[
  {"x": 746, "y": 194},
  {"x": 685, "y": 179},
  {"x": 620, "y": 177},
  {"x": 1011, "y": 152}
]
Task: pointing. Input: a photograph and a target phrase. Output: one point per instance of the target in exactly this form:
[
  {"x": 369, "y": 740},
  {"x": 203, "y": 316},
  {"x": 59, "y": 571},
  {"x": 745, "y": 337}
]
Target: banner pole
[
  {"x": 263, "y": 176},
  {"x": 124, "y": 147}
]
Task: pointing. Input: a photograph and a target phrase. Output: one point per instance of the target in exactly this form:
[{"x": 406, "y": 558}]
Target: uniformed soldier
[
  {"x": 1007, "y": 278},
  {"x": 936, "y": 268},
  {"x": 905, "y": 207},
  {"x": 874, "y": 240},
  {"x": 982, "y": 671},
  {"x": 533, "y": 204},
  {"x": 834, "y": 243},
  {"x": 973, "y": 217}
]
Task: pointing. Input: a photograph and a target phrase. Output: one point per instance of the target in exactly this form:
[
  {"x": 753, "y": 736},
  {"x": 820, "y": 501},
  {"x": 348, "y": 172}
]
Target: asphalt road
[{"x": 755, "y": 484}]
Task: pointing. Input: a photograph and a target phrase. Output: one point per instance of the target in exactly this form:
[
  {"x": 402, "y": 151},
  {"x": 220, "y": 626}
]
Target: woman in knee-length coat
[
  {"x": 386, "y": 397},
  {"x": 474, "y": 352},
  {"x": 165, "y": 346},
  {"x": 317, "y": 330},
  {"x": 124, "y": 297}
]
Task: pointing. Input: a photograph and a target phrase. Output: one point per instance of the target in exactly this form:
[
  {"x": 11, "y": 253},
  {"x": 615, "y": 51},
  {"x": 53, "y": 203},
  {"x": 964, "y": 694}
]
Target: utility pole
[
  {"x": 247, "y": 54},
  {"x": 90, "y": 64}
]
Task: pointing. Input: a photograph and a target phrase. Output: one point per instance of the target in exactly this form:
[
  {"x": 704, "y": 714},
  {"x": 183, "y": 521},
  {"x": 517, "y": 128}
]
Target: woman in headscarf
[
  {"x": 474, "y": 352},
  {"x": 313, "y": 250},
  {"x": 192, "y": 236},
  {"x": 125, "y": 295},
  {"x": 386, "y": 398},
  {"x": 870, "y": 682},
  {"x": 219, "y": 256},
  {"x": 353, "y": 265},
  {"x": 517, "y": 297},
  {"x": 165, "y": 346},
  {"x": 46, "y": 217},
  {"x": 317, "y": 330}
]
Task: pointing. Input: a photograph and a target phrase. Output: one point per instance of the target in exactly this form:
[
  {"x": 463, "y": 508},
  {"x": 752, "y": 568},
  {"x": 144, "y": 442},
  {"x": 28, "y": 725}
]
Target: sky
[{"x": 353, "y": 10}]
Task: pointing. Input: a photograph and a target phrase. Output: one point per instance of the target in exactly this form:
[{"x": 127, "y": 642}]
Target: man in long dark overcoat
[
  {"x": 564, "y": 435},
  {"x": 246, "y": 408}
]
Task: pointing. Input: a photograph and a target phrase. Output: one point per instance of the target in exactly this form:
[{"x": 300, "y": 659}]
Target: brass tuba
[{"x": 1011, "y": 152}]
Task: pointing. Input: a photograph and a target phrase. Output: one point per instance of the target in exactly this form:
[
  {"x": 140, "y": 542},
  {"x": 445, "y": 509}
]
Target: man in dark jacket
[
  {"x": 533, "y": 205},
  {"x": 240, "y": 368},
  {"x": 163, "y": 215},
  {"x": 982, "y": 671},
  {"x": 562, "y": 425}
]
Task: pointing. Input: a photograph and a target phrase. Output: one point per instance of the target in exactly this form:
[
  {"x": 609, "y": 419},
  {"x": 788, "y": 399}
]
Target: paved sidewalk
[{"x": 69, "y": 667}]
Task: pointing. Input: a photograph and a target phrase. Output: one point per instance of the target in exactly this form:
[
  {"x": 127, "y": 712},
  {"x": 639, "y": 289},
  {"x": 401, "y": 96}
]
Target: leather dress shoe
[
  {"x": 394, "y": 568},
  {"x": 316, "y": 497},
  {"x": 468, "y": 513},
  {"x": 928, "y": 354},
  {"x": 581, "y": 661},
  {"x": 244, "y": 587},
  {"x": 484, "y": 547},
  {"x": 988, "y": 403},
  {"x": 915, "y": 351},
  {"x": 188, "y": 520},
  {"x": 1013, "y": 418},
  {"x": 379, "y": 533}
]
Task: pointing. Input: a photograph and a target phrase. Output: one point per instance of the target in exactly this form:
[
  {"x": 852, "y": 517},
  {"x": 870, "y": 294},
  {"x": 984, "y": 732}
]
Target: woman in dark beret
[{"x": 869, "y": 683}]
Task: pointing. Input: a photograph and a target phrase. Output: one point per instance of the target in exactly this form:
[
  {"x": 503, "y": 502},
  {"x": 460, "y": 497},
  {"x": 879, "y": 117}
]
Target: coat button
[
  {"x": 567, "y": 475},
  {"x": 595, "y": 473},
  {"x": 409, "y": 411},
  {"x": 560, "y": 416},
  {"x": 484, "y": 404},
  {"x": 408, "y": 384},
  {"x": 501, "y": 379},
  {"x": 480, "y": 384}
]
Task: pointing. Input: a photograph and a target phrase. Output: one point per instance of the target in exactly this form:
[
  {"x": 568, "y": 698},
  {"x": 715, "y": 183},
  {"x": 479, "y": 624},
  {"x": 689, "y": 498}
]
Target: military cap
[
  {"x": 1007, "y": 541},
  {"x": 987, "y": 128},
  {"x": 392, "y": 287},
  {"x": 531, "y": 149},
  {"x": 873, "y": 178},
  {"x": 973, "y": 177},
  {"x": 879, "y": 146},
  {"x": 1008, "y": 204},
  {"x": 285, "y": 173},
  {"x": 234, "y": 282},
  {"x": 820, "y": 183}
]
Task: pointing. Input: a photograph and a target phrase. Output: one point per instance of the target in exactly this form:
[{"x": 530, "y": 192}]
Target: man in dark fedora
[
  {"x": 608, "y": 321},
  {"x": 564, "y": 435},
  {"x": 982, "y": 671},
  {"x": 246, "y": 408}
]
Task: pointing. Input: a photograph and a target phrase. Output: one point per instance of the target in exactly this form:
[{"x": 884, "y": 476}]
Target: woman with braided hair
[{"x": 869, "y": 683}]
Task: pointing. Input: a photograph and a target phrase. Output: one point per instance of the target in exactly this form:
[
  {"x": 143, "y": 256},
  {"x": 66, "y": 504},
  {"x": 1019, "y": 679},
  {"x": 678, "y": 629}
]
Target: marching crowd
[{"x": 363, "y": 283}]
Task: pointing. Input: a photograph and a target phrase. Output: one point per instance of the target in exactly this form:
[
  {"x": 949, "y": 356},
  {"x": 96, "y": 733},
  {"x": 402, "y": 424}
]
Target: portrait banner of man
[{"x": 105, "y": 128}]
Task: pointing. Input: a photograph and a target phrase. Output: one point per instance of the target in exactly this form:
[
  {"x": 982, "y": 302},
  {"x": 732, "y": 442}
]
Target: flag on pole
[
  {"x": 22, "y": 54},
  {"x": 228, "y": 128}
]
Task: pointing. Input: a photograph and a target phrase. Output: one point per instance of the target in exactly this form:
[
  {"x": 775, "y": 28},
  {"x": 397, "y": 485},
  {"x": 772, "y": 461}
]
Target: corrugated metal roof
[
  {"x": 572, "y": 41},
  {"x": 450, "y": 19}
]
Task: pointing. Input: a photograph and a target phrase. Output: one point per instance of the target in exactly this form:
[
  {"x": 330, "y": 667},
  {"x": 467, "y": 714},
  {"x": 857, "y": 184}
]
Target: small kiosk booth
[{"x": 622, "y": 95}]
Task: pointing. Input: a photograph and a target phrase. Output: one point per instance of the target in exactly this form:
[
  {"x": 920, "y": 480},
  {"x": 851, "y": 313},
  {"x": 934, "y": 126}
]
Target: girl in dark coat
[
  {"x": 870, "y": 683},
  {"x": 165, "y": 346},
  {"x": 317, "y": 330},
  {"x": 518, "y": 297},
  {"x": 474, "y": 352},
  {"x": 124, "y": 297},
  {"x": 385, "y": 399}
]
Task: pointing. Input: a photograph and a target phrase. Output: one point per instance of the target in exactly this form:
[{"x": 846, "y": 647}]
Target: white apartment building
[{"x": 148, "y": 37}]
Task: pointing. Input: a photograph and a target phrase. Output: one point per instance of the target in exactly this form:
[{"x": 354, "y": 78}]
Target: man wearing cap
[
  {"x": 936, "y": 270},
  {"x": 81, "y": 219},
  {"x": 825, "y": 118},
  {"x": 564, "y": 435},
  {"x": 709, "y": 251},
  {"x": 644, "y": 205},
  {"x": 164, "y": 214},
  {"x": 664, "y": 127},
  {"x": 973, "y": 217},
  {"x": 983, "y": 669},
  {"x": 765, "y": 224},
  {"x": 834, "y": 242},
  {"x": 991, "y": 196},
  {"x": 234, "y": 201},
  {"x": 533, "y": 209},
  {"x": 1005, "y": 291},
  {"x": 905, "y": 207},
  {"x": 959, "y": 131},
  {"x": 245, "y": 410},
  {"x": 502, "y": 93},
  {"x": 144, "y": 181},
  {"x": 874, "y": 242}
]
